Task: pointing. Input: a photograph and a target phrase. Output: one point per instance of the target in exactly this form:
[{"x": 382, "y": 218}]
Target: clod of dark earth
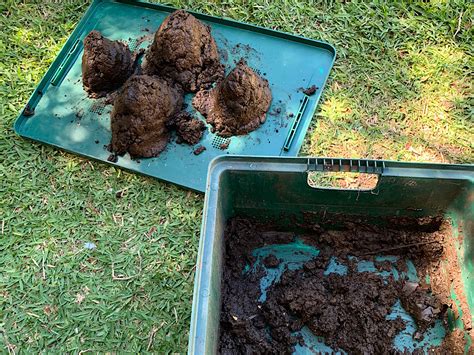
[
  {"x": 350, "y": 310},
  {"x": 238, "y": 104},
  {"x": 112, "y": 158},
  {"x": 184, "y": 51},
  {"x": 106, "y": 64},
  {"x": 188, "y": 128},
  {"x": 225, "y": 145},
  {"x": 28, "y": 111},
  {"x": 199, "y": 150},
  {"x": 140, "y": 113},
  {"x": 310, "y": 90}
]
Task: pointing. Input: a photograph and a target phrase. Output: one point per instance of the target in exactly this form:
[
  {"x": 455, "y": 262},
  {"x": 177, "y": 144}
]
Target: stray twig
[
  {"x": 120, "y": 278},
  {"x": 399, "y": 247},
  {"x": 459, "y": 25},
  {"x": 42, "y": 268},
  {"x": 125, "y": 278},
  {"x": 152, "y": 336}
]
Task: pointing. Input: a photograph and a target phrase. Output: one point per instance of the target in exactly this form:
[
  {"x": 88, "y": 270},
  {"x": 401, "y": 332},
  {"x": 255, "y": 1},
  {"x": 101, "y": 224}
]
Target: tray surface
[{"x": 66, "y": 118}]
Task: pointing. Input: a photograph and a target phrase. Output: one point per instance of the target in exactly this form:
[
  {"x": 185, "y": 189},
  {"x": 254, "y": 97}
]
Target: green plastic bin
[{"x": 271, "y": 188}]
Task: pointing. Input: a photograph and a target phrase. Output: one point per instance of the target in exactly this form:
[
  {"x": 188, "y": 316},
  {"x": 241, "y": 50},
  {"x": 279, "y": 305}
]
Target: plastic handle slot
[
  {"x": 296, "y": 122},
  {"x": 66, "y": 64},
  {"x": 347, "y": 174}
]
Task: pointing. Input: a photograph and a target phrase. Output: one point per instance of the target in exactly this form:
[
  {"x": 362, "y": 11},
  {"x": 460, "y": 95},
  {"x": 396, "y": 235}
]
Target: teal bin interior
[
  {"x": 66, "y": 118},
  {"x": 277, "y": 189}
]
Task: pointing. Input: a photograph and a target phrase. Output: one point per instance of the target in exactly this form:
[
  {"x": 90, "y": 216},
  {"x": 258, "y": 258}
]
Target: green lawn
[{"x": 400, "y": 89}]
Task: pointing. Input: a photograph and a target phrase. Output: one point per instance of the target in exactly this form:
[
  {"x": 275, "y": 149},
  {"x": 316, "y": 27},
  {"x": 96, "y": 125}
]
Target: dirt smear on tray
[
  {"x": 140, "y": 114},
  {"x": 106, "y": 64},
  {"x": 238, "y": 104},
  {"x": 350, "y": 310},
  {"x": 184, "y": 51}
]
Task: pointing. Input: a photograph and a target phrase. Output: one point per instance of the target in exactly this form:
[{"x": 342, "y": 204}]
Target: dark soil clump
[
  {"x": 311, "y": 90},
  {"x": 184, "y": 51},
  {"x": 199, "y": 150},
  {"x": 188, "y": 128},
  {"x": 140, "y": 114},
  {"x": 238, "y": 104},
  {"x": 348, "y": 310},
  {"x": 106, "y": 64},
  {"x": 271, "y": 261}
]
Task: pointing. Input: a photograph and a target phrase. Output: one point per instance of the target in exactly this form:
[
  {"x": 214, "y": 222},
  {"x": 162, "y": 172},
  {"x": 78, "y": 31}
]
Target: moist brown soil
[
  {"x": 238, "y": 104},
  {"x": 184, "y": 51},
  {"x": 188, "y": 128},
  {"x": 106, "y": 64},
  {"x": 199, "y": 150},
  {"x": 140, "y": 114},
  {"x": 310, "y": 90},
  {"x": 349, "y": 311}
]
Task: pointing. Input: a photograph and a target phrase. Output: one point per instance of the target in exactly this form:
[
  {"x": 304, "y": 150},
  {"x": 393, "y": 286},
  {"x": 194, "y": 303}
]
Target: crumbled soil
[
  {"x": 199, "y": 150},
  {"x": 188, "y": 128},
  {"x": 140, "y": 114},
  {"x": 28, "y": 111},
  {"x": 184, "y": 51},
  {"x": 225, "y": 145},
  {"x": 238, "y": 104},
  {"x": 310, "y": 91},
  {"x": 106, "y": 64},
  {"x": 349, "y": 311}
]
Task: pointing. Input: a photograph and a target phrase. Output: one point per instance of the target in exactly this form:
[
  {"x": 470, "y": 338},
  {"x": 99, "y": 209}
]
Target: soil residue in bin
[
  {"x": 106, "y": 64},
  {"x": 238, "y": 104},
  {"x": 184, "y": 51},
  {"x": 140, "y": 114},
  {"x": 349, "y": 310}
]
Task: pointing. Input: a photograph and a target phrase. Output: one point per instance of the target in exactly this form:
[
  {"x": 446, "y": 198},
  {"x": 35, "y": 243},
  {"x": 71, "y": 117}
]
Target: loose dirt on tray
[
  {"x": 184, "y": 51},
  {"x": 106, "y": 64},
  {"x": 140, "y": 113},
  {"x": 238, "y": 104},
  {"x": 349, "y": 310}
]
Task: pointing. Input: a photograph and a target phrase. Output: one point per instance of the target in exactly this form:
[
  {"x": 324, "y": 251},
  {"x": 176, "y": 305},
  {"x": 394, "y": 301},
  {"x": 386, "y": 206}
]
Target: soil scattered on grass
[
  {"x": 188, "y": 128},
  {"x": 184, "y": 51},
  {"x": 106, "y": 64},
  {"x": 348, "y": 310},
  {"x": 140, "y": 113},
  {"x": 238, "y": 104}
]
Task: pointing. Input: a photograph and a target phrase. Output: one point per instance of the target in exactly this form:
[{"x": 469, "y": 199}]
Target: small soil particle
[
  {"x": 311, "y": 90},
  {"x": 199, "y": 150},
  {"x": 224, "y": 146},
  {"x": 139, "y": 116},
  {"x": 238, "y": 104},
  {"x": 271, "y": 261},
  {"x": 28, "y": 111},
  {"x": 106, "y": 64},
  {"x": 79, "y": 113},
  {"x": 96, "y": 141},
  {"x": 113, "y": 158},
  {"x": 184, "y": 51}
]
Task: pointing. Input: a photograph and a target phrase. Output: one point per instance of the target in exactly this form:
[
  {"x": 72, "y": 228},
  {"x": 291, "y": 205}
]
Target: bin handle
[{"x": 346, "y": 165}]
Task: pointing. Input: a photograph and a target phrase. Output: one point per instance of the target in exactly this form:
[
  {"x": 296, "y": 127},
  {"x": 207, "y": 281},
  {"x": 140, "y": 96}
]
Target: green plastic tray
[
  {"x": 288, "y": 62},
  {"x": 277, "y": 189}
]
